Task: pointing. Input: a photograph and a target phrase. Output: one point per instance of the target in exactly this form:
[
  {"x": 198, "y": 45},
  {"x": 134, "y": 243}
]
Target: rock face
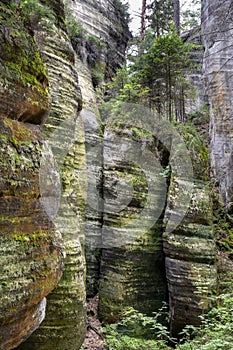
[
  {"x": 65, "y": 322},
  {"x": 197, "y": 98},
  {"x": 101, "y": 48},
  {"x": 120, "y": 173},
  {"x": 26, "y": 100},
  {"x": 108, "y": 34},
  {"x": 190, "y": 258},
  {"x": 132, "y": 263},
  {"x": 31, "y": 247},
  {"x": 94, "y": 161},
  {"x": 217, "y": 37},
  {"x": 188, "y": 240}
]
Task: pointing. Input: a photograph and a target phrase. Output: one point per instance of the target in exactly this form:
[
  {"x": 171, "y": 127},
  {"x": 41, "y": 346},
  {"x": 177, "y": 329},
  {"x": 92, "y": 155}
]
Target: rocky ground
[{"x": 94, "y": 337}]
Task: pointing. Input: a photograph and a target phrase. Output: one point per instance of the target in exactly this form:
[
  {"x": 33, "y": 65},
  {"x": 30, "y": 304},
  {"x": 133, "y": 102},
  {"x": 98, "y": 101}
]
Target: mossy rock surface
[
  {"x": 23, "y": 77},
  {"x": 31, "y": 249}
]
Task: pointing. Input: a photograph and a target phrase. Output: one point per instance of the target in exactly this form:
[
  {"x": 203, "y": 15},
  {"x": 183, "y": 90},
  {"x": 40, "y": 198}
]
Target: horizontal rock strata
[
  {"x": 65, "y": 324},
  {"x": 132, "y": 262},
  {"x": 217, "y": 38}
]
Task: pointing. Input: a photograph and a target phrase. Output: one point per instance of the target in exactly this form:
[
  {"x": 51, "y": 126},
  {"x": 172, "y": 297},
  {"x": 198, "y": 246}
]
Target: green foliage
[
  {"x": 160, "y": 17},
  {"x": 75, "y": 29},
  {"x": 155, "y": 77},
  {"x": 137, "y": 331},
  {"x": 224, "y": 240},
  {"x": 224, "y": 230},
  {"x": 160, "y": 69},
  {"x": 198, "y": 150},
  {"x": 191, "y": 16},
  {"x": 166, "y": 172},
  {"x": 122, "y": 10},
  {"x": 200, "y": 118},
  {"x": 123, "y": 87},
  {"x": 36, "y": 12},
  {"x": 124, "y": 342},
  {"x": 215, "y": 332}
]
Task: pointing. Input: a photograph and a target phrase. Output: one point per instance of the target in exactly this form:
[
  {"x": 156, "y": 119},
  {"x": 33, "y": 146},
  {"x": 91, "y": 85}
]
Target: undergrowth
[{"x": 137, "y": 331}]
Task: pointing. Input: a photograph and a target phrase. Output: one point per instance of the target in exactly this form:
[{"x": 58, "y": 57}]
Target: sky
[{"x": 135, "y": 10}]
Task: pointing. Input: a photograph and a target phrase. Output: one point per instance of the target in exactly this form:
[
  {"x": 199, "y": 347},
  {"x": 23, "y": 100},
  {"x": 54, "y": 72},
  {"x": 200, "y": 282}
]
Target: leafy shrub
[
  {"x": 216, "y": 330},
  {"x": 138, "y": 331},
  {"x": 35, "y": 12},
  {"x": 196, "y": 145}
]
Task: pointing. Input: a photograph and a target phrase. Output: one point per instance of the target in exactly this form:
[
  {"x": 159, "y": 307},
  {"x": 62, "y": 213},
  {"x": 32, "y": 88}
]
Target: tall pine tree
[
  {"x": 143, "y": 20},
  {"x": 160, "y": 16}
]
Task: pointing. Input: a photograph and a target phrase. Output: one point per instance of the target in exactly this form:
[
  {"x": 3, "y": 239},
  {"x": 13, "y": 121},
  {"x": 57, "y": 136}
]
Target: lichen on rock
[
  {"x": 24, "y": 83},
  {"x": 31, "y": 248},
  {"x": 132, "y": 269},
  {"x": 190, "y": 253},
  {"x": 217, "y": 67},
  {"x": 65, "y": 322}
]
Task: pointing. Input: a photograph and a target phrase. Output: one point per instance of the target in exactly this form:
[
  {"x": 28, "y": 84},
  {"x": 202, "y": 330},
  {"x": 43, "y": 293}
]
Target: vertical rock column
[
  {"x": 64, "y": 325},
  {"x": 188, "y": 240},
  {"x": 104, "y": 22},
  {"x": 196, "y": 99},
  {"x": 101, "y": 51},
  {"x": 31, "y": 249},
  {"x": 132, "y": 264},
  {"x": 190, "y": 257},
  {"x": 217, "y": 34},
  {"x": 94, "y": 160}
]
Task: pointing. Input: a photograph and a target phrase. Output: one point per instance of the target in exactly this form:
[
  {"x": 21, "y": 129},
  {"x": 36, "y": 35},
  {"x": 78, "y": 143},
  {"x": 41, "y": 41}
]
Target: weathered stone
[
  {"x": 132, "y": 262},
  {"x": 24, "y": 84},
  {"x": 190, "y": 255},
  {"x": 196, "y": 98},
  {"x": 64, "y": 325},
  {"x": 217, "y": 38},
  {"x": 31, "y": 248},
  {"x": 105, "y": 22},
  {"x": 94, "y": 160}
]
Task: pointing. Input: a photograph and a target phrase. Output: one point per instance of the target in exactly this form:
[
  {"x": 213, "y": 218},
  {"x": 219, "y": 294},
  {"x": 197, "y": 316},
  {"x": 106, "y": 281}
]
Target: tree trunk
[
  {"x": 143, "y": 20},
  {"x": 176, "y": 4}
]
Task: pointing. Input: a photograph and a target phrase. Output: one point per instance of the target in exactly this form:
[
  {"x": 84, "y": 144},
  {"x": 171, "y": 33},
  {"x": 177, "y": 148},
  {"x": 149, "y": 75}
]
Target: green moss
[
  {"x": 198, "y": 150},
  {"x": 20, "y": 134},
  {"x": 3, "y": 283},
  {"x": 19, "y": 52},
  {"x": 23, "y": 238},
  {"x": 120, "y": 126}
]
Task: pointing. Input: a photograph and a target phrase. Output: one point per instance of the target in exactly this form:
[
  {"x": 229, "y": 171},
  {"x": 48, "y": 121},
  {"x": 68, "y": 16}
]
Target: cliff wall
[
  {"x": 31, "y": 247},
  {"x": 65, "y": 322},
  {"x": 217, "y": 38},
  {"x": 85, "y": 192},
  {"x": 105, "y": 22}
]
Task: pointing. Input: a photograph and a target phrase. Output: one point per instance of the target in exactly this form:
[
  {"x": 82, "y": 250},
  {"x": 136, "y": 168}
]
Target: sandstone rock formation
[
  {"x": 132, "y": 263},
  {"x": 188, "y": 240},
  {"x": 106, "y": 25},
  {"x": 122, "y": 174},
  {"x": 31, "y": 247},
  {"x": 190, "y": 257},
  {"x": 64, "y": 325},
  {"x": 101, "y": 50},
  {"x": 196, "y": 98},
  {"x": 217, "y": 38},
  {"x": 94, "y": 162}
]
